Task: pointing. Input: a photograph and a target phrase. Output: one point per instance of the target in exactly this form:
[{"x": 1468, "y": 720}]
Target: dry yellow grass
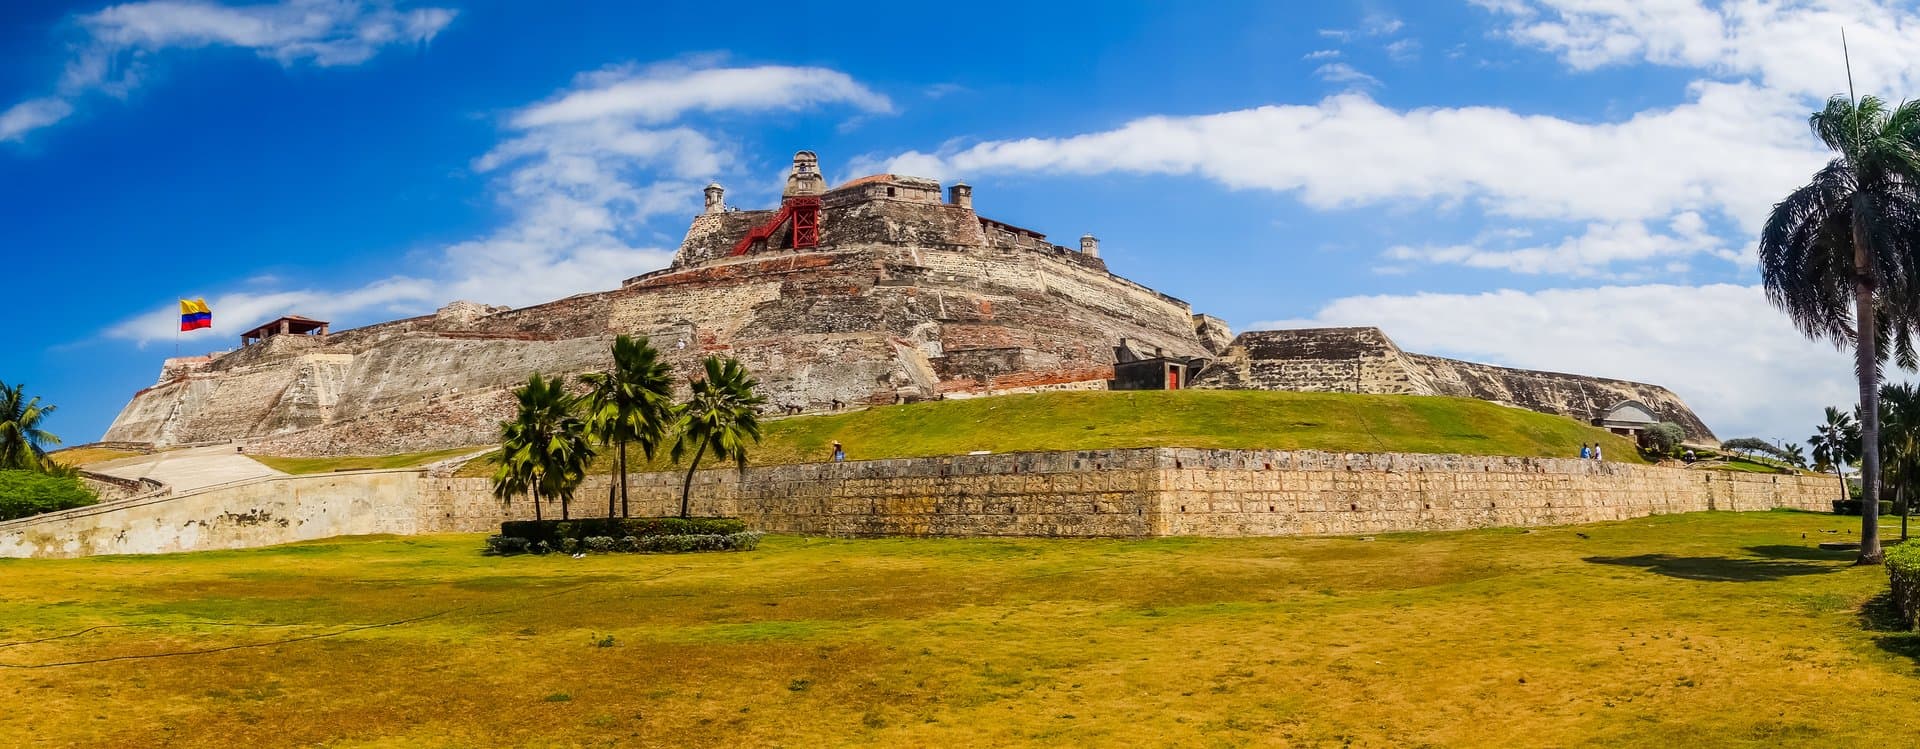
[
  {"x": 1704, "y": 630},
  {"x": 85, "y": 456}
]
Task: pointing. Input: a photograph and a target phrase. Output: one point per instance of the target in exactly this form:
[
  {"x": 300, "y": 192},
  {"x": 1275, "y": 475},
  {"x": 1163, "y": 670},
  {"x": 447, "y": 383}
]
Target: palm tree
[
  {"x": 1839, "y": 256},
  {"x": 632, "y": 402},
  {"x": 1795, "y": 455},
  {"x": 1835, "y": 444},
  {"x": 719, "y": 418},
  {"x": 544, "y": 450},
  {"x": 1900, "y": 442},
  {"x": 22, "y": 441}
]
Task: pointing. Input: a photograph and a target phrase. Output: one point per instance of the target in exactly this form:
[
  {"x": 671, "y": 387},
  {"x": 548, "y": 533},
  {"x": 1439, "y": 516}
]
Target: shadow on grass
[
  {"x": 1879, "y": 614},
  {"x": 1808, "y": 553},
  {"x": 1719, "y": 569}
]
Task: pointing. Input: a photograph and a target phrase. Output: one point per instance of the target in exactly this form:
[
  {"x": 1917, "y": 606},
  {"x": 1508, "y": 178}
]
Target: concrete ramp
[{"x": 189, "y": 469}]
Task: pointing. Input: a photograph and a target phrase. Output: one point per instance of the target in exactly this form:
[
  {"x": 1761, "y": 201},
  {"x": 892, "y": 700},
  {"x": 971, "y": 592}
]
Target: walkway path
[{"x": 189, "y": 469}]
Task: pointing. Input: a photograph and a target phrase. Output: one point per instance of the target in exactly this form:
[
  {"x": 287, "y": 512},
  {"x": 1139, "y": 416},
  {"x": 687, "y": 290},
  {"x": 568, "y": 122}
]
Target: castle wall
[
  {"x": 1365, "y": 360},
  {"x": 1097, "y": 493},
  {"x": 264, "y": 512}
]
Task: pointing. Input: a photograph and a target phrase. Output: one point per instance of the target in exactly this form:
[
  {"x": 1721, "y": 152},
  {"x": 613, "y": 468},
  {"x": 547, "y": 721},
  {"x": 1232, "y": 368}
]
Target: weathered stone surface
[
  {"x": 1118, "y": 493},
  {"x": 907, "y": 298},
  {"x": 1365, "y": 360}
]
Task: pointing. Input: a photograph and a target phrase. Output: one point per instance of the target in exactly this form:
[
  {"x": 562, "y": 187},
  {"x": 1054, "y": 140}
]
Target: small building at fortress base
[{"x": 881, "y": 290}]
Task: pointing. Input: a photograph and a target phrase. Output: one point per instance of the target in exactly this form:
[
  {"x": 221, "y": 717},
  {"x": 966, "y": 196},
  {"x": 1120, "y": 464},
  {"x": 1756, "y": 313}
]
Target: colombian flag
[{"x": 195, "y": 315}]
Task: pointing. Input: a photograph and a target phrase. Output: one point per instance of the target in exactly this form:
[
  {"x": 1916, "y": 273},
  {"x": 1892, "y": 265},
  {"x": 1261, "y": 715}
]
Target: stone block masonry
[{"x": 1132, "y": 493}]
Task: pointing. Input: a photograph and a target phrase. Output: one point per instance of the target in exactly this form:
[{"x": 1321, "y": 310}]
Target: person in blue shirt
[
  {"x": 839, "y": 455},
  {"x": 1584, "y": 452}
]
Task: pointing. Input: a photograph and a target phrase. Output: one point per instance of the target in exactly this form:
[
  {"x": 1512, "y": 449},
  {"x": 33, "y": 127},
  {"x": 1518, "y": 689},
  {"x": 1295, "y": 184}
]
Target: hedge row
[
  {"x": 1852, "y": 507},
  {"x": 1903, "y": 571},
  {"x": 657, "y": 544},
  {"x": 555, "y": 531},
  {"x": 27, "y": 493}
]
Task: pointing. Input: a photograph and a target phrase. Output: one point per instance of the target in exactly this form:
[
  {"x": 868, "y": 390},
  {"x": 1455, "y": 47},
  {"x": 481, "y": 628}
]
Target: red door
[{"x": 1173, "y": 377}]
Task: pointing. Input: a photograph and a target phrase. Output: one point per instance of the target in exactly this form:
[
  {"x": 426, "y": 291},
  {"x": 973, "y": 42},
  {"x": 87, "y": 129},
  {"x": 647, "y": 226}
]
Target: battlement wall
[{"x": 1365, "y": 360}]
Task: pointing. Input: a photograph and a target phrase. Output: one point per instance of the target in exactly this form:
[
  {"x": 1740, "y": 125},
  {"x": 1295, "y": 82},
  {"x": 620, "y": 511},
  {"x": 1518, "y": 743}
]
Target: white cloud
[
  {"x": 1340, "y": 72},
  {"x": 1375, "y": 24},
  {"x": 1595, "y": 253},
  {"x": 119, "y": 41},
  {"x": 1321, "y": 54},
  {"x": 662, "y": 94},
  {"x": 1739, "y": 363},
  {"x": 1404, "y": 50},
  {"x": 30, "y": 115},
  {"x": 1730, "y": 151},
  {"x": 1792, "y": 47},
  {"x": 578, "y": 186}
]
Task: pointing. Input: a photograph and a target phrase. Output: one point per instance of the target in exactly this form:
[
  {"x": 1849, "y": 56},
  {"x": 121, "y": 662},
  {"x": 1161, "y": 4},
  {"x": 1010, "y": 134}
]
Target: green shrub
[
  {"x": 1903, "y": 573},
  {"x": 25, "y": 493},
  {"x": 554, "y": 531},
  {"x": 1663, "y": 438},
  {"x": 505, "y": 545},
  {"x": 1852, "y": 507},
  {"x": 667, "y": 544}
]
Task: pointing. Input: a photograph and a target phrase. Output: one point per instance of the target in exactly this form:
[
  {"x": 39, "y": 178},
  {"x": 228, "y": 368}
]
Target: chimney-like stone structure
[
  {"x": 960, "y": 194},
  {"x": 716, "y": 198},
  {"x": 1089, "y": 246},
  {"x": 805, "y": 179}
]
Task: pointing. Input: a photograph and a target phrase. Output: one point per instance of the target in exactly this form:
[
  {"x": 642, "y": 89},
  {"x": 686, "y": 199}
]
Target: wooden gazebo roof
[{"x": 294, "y": 324}]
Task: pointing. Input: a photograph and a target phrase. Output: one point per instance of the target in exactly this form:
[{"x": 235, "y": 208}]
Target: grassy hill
[{"x": 1244, "y": 419}]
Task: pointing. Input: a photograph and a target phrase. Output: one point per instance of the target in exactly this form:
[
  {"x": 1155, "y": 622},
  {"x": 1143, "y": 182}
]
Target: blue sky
[{"x": 1542, "y": 183}]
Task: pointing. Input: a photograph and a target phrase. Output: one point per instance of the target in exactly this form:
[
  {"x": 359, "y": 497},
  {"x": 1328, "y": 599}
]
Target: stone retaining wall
[
  {"x": 1097, "y": 493},
  {"x": 1168, "y": 492},
  {"x": 259, "y": 512}
]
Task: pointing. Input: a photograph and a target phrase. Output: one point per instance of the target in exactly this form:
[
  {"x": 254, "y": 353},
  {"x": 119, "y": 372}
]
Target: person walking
[
  {"x": 1584, "y": 452},
  {"x": 839, "y": 455},
  {"x": 1596, "y": 451}
]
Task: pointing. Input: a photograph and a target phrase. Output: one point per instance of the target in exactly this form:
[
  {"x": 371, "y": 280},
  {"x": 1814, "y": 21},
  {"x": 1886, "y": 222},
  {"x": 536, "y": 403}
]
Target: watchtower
[{"x": 800, "y": 203}]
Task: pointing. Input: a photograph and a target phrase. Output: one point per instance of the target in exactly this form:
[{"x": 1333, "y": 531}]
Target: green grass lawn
[
  {"x": 1190, "y": 418},
  {"x": 359, "y": 462},
  {"x": 1703, "y": 630},
  {"x": 1745, "y": 465}
]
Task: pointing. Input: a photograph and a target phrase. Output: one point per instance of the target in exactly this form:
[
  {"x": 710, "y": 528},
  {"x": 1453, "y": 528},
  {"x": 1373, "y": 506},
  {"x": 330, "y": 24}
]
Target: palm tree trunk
[
  {"x": 1900, "y": 500},
  {"x": 610, "y": 488},
  {"x": 623, "y": 479},
  {"x": 686, "y": 488},
  {"x": 536, "y": 501},
  {"x": 1867, "y": 366}
]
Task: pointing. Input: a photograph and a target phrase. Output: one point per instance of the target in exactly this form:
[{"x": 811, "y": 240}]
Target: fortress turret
[
  {"x": 1089, "y": 245},
  {"x": 960, "y": 195},
  {"x": 716, "y": 198},
  {"x": 805, "y": 179}
]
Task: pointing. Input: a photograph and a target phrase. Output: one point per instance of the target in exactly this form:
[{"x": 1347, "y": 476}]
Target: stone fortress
[{"x": 882, "y": 290}]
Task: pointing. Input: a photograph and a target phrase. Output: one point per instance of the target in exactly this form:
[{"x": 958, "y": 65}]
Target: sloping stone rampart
[{"x": 1365, "y": 360}]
